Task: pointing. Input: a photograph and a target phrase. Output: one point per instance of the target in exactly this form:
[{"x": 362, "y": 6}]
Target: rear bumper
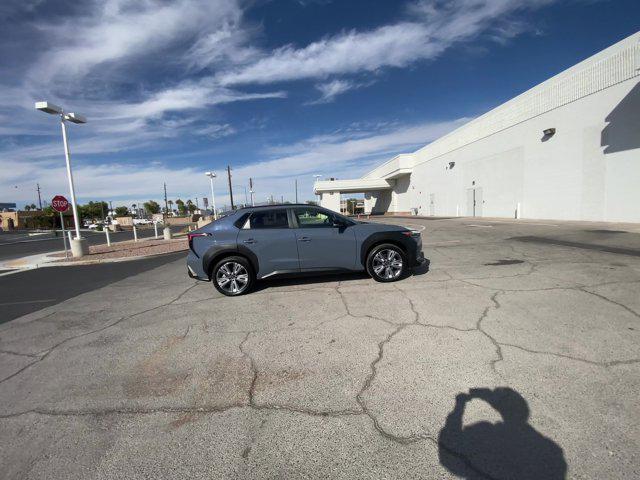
[{"x": 194, "y": 268}]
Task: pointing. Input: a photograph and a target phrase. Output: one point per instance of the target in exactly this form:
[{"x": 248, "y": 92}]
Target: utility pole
[
  {"x": 251, "y": 190},
  {"x": 39, "y": 198},
  {"x": 166, "y": 205},
  {"x": 296, "y": 190},
  {"x": 230, "y": 187},
  {"x": 111, "y": 207}
]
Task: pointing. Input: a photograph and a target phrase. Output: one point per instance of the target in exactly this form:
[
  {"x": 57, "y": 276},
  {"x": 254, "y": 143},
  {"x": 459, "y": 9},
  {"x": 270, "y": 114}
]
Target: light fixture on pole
[
  {"x": 79, "y": 246},
  {"x": 317, "y": 194},
  {"x": 211, "y": 176}
]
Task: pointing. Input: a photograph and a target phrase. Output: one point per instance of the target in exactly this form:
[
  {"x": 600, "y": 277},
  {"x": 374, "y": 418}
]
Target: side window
[
  {"x": 312, "y": 218},
  {"x": 269, "y": 219}
]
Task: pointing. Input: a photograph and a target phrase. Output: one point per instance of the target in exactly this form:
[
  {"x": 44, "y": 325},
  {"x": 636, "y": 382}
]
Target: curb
[
  {"x": 54, "y": 263},
  {"x": 46, "y": 260}
]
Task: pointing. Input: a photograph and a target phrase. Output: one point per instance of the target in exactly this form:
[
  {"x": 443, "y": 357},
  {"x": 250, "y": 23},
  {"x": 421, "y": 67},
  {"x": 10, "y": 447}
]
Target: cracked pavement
[{"x": 158, "y": 376}]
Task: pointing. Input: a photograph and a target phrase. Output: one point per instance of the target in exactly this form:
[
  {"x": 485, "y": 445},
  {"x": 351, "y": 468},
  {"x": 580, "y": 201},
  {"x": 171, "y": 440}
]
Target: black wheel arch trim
[
  {"x": 397, "y": 238},
  {"x": 211, "y": 256}
]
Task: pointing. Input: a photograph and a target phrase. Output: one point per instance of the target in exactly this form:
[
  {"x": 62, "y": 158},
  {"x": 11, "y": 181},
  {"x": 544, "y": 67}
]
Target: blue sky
[{"x": 277, "y": 89}]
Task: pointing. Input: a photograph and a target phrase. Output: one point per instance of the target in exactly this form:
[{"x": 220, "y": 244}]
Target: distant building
[
  {"x": 32, "y": 219},
  {"x": 567, "y": 149},
  {"x": 7, "y": 207}
]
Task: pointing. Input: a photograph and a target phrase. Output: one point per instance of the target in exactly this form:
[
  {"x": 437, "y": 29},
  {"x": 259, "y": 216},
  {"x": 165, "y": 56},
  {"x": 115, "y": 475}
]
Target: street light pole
[
  {"x": 79, "y": 246},
  {"x": 67, "y": 156},
  {"x": 211, "y": 176},
  {"x": 317, "y": 194}
]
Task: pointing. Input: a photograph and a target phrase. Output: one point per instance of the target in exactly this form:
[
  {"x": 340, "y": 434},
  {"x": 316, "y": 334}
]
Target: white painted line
[
  {"x": 524, "y": 222},
  {"x": 480, "y": 226},
  {"x": 441, "y": 243}
]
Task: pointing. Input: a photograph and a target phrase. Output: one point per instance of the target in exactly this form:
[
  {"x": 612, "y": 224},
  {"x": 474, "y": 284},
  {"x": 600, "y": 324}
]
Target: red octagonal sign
[{"x": 60, "y": 204}]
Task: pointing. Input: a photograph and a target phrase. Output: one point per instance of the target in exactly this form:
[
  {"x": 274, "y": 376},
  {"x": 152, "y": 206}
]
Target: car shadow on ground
[
  {"x": 313, "y": 278},
  {"x": 510, "y": 448}
]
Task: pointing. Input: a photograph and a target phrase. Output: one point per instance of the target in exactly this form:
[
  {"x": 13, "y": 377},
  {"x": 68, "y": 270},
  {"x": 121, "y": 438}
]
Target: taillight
[{"x": 191, "y": 236}]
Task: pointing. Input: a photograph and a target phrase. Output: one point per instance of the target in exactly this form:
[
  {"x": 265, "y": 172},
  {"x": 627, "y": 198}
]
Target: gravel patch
[{"x": 130, "y": 249}]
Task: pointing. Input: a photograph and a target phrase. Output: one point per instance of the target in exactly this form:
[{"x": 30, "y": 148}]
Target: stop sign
[{"x": 60, "y": 204}]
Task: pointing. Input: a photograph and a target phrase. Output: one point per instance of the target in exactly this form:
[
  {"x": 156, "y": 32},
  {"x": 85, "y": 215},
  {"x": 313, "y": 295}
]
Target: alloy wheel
[
  {"x": 387, "y": 264},
  {"x": 232, "y": 277}
]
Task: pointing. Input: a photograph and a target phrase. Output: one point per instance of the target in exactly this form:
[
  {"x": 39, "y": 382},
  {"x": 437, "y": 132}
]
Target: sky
[{"x": 278, "y": 90}]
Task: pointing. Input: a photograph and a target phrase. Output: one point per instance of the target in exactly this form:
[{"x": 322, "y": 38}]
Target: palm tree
[
  {"x": 133, "y": 207},
  {"x": 170, "y": 202},
  {"x": 27, "y": 207}
]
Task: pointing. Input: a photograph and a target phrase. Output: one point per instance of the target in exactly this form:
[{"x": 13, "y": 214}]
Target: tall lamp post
[
  {"x": 317, "y": 194},
  {"x": 211, "y": 176},
  {"x": 79, "y": 246}
]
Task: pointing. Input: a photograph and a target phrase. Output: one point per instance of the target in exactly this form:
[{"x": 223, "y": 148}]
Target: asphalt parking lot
[{"x": 516, "y": 355}]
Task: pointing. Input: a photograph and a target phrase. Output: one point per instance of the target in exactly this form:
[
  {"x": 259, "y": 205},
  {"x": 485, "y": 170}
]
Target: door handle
[
  {"x": 304, "y": 239},
  {"x": 249, "y": 240}
]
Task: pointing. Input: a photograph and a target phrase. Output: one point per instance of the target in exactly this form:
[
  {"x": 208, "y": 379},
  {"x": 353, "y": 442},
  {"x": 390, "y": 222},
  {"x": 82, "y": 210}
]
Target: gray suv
[{"x": 260, "y": 242}]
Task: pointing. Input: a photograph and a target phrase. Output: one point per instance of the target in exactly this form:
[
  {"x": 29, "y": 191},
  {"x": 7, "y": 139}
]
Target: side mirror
[{"x": 338, "y": 224}]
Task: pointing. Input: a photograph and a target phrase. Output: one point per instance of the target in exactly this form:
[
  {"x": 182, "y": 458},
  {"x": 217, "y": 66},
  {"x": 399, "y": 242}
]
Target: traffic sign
[{"x": 60, "y": 204}]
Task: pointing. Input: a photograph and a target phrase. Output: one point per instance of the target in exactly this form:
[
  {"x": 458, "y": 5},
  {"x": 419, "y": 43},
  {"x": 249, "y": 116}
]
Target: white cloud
[
  {"x": 216, "y": 130},
  {"x": 187, "y": 96},
  {"x": 433, "y": 27},
  {"x": 348, "y": 53},
  {"x": 343, "y": 154},
  {"x": 117, "y": 30},
  {"x": 330, "y": 90}
]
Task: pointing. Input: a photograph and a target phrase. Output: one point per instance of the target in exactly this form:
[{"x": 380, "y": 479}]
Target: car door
[
  {"x": 267, "y": 235},
  {"x": 325, "y": 240}
]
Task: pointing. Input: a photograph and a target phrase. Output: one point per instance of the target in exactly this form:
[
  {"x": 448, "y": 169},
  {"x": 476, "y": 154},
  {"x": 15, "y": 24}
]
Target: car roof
[{"x": 275, "y": 205}]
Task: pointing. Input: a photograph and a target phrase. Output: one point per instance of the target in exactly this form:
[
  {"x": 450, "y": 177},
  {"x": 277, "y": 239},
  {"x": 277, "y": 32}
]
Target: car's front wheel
[
  {"x": 232, "y": 276},
  {"x": 386, "y": 263}
]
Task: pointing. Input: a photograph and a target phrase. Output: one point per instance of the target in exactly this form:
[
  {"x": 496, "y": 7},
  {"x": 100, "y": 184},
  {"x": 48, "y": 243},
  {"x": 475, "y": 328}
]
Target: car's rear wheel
[
  {"x": 233, "y": 276},
  {"x": 386, "y": 263}
]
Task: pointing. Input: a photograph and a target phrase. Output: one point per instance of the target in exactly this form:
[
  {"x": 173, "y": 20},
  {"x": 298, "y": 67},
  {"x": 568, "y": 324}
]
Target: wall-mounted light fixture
[{"x": 548, "y": 132}]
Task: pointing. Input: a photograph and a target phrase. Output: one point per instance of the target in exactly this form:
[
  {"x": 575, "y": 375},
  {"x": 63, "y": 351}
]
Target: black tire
[
  {"x": 387, "y": 263},
  {"x": 234, "y": 269}
]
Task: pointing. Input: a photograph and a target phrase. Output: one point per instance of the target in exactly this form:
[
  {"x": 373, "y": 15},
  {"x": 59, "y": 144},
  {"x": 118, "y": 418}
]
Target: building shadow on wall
[
  {"x": 623, "y": 129},
  {"x": 383, "y": 200},
  {"x": 510, "y": 449}
]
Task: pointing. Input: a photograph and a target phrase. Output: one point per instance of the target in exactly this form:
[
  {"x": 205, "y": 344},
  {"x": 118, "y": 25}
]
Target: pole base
[
  {"x": 79, "y": 247},
  {"x": 167, "y": 233}
]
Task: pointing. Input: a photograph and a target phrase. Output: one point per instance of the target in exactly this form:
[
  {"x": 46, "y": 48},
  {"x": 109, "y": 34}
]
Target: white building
[{"x": 567, "y": 149}]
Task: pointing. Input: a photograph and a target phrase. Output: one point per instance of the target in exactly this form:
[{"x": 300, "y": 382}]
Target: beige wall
[
  {"x": 330, "y": 200},
  {"x": 588, "y": 170}
]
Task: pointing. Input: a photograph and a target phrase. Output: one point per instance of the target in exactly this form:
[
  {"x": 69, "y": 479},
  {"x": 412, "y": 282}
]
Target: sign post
[{"x": 61, "y": 204}]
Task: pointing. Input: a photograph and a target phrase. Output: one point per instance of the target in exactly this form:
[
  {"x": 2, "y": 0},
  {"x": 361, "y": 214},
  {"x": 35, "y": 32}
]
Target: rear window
[
  {"x": 239, "y": 223},
  {"x": 269, "y": 219}
]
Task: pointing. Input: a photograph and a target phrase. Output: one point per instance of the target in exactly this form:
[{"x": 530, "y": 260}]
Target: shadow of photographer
[{"x": 509, "y": 449}]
